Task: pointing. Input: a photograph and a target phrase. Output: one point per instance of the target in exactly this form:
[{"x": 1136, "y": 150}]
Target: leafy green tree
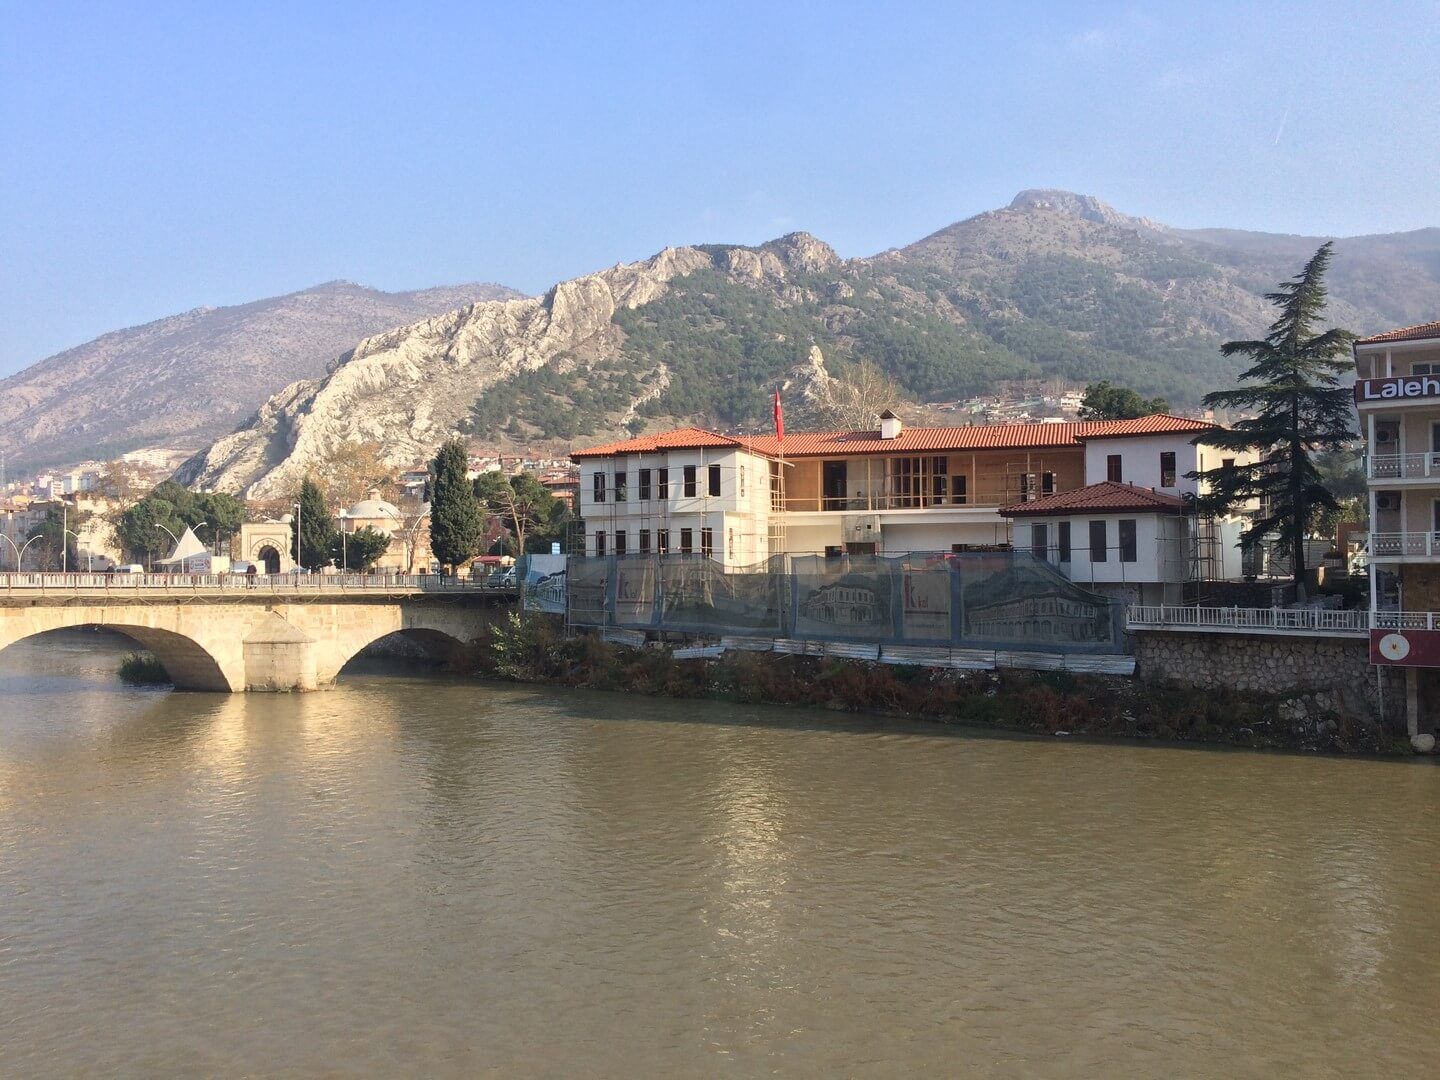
[
  {"x": 54, "y": 539},
  {"x": 362, "y": 548},
  {"x": 1105, "y": 401},
  {"x": 533, "y": 516},
  {"x": 455, "y": 524},
  {"x": 213, "y": 515},
  {"x": 313, "y": 536},
  {"x": 1302, "y": 410}
]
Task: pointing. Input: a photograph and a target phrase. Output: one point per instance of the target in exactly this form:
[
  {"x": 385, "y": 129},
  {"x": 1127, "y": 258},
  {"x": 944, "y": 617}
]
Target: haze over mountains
[
  {"x": 184, "y": 380},
  {"x": 1055, "y": 284}
]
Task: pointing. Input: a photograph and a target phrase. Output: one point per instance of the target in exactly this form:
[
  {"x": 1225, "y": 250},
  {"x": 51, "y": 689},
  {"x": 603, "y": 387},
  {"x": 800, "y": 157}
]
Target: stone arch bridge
[{"x": 229, "y": 633}]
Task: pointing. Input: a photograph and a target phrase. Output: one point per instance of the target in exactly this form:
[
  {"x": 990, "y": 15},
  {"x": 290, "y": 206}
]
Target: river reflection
[{"x": 419, "y": 876}]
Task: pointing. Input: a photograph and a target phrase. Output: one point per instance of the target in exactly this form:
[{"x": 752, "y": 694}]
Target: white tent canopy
[{"x": 189, "y": 548}]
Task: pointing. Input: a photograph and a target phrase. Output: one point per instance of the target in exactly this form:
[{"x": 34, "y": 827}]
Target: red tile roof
[
  {"x": 679, "y": 439},
  {"x": 1405, "y": 333},
  {"x": 1107, "y": 497},
  {"x": 910, "y": 440}
]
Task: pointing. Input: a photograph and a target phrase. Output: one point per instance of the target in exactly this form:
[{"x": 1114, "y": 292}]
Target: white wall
[
  {"x": 900, "y": 538},
  {"x": 1158, "y": 547},
  {"x": 1140, "y": 460},
  {"x": 747, "y": 515}
]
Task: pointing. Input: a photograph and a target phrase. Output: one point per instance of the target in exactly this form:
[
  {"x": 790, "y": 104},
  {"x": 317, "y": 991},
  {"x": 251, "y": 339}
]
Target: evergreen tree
[
  {"x": 362, "y": 548},
  {"x": 314, "y": 536},
  {"x": 1302, "y": 409},
  {"x": 1105, "y": 401},
  {"x": 455, "y": 523}
]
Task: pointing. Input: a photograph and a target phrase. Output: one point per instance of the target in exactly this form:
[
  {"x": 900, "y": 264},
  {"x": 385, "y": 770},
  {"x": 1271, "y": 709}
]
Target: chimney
[{"x": 889, "y": 425}]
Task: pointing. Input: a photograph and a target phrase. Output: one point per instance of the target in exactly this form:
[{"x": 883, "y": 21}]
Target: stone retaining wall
[{"x": 1333, "y": 671}]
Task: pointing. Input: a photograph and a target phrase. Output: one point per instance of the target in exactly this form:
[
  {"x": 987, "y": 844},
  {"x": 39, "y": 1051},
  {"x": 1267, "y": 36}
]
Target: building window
[
  {"x": 644, "y": 485},
  {"x": 1127, "y": 540},
  {"x": 644, "y": 541},
  {"x": 1167, "y": 469},
  {"x": 1047, "y": 483},
  {"x": 688, "y": 489},
  {"x": 619, "y": 541},
  {"x": 707, "y": 542},
  {"x": 742, "y": 481},
  {"x": 1062, "y": 540},
  {"x": 662, "y": 485},
  {"x": 622, "y": 485},
  {"x": 1040, "y": 540},
  {"x": 599, "y": 487},
  {"x": 1112, "y": 468},
  {"x": 1227, "y": 463},
  {"x": 1097, "y": 541},
  {"x": 714, "y": 480},
  {"x": 1027, "y": 485},
  {"x": 687, "y": 543},
  {"x": 662, "y": 541},
  {"x": 600, "y": 542},
  {"x": 958, "y": 490}
]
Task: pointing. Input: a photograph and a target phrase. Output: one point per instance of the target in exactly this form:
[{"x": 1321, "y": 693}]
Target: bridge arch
[
  {"x": 438, "y": 646},
  {"x": 189, "y": 664}
]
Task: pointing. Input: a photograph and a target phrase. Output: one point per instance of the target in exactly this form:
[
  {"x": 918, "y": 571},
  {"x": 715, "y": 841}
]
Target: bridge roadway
[{"x": 233, "y": 632}]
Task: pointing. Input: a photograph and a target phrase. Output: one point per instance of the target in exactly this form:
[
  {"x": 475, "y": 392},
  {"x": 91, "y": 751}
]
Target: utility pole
[{"x": 64, "y": 528}]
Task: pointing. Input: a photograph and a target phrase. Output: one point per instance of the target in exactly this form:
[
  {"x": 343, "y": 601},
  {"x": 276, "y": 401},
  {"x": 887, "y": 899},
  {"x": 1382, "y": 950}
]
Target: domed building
[{"x": 408, "y": 529}]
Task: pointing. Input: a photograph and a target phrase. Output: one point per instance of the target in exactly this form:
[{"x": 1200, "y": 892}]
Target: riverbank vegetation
[
  {"x": 534, "y": 649},
  {"x": 143, "y": 669}
]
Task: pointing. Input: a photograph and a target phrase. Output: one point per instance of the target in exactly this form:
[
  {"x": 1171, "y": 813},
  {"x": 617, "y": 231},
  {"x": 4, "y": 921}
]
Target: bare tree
[
  {"x": 411, "y": 530},
  {"x": 852, "y": 403}
]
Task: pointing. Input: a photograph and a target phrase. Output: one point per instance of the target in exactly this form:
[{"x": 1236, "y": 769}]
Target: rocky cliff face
[
  {"x": 409, "y": 389},
  {"x": 183, "y": 380}
]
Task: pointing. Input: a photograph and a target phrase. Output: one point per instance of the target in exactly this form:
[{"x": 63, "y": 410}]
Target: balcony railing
[
  {"x": 1404, "y": 466},
  {"x": 1402, "y": 544},
  {"x": 1247, "y": 620},
  {"x": 1405, "y": 620}
]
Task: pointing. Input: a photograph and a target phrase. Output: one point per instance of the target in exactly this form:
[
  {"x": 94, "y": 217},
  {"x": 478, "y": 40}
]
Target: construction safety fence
[{"x": 987, "y": 600}]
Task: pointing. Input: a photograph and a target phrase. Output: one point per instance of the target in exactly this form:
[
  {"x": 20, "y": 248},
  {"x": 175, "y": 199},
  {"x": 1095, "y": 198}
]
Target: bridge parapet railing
[
  {"x": 1247, "y": 620},
  {"x": 32, "y": 582}
]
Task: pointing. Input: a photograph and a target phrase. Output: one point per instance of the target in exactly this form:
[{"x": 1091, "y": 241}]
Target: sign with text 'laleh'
[{"x": 1400, "y": 388}]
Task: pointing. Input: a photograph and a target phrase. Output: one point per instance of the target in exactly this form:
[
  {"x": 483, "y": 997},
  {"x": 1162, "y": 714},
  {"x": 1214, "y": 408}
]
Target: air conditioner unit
[
  {"x": 1385, "y": 436},
  {"x": 1387, "y": 500}
]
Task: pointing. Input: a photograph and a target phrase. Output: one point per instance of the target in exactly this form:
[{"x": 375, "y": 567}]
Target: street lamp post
[
  {"x": 344, "y": 560},
  {"x": 298, "y": 552},
  {"x": 20, "y": 551}
]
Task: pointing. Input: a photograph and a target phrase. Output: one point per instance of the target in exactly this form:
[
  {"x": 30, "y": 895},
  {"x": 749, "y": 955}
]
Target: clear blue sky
[{"x": 157, "y": 157}]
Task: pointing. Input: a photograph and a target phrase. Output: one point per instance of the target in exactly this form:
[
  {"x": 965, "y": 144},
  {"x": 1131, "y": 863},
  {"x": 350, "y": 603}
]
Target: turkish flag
[{"x": 779, "y": 418}]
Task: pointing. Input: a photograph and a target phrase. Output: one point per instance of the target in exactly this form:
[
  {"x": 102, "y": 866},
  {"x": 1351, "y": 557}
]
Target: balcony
[
  {"x": 1404, "y": 467},
  {"x": 1404, "y": 545}
]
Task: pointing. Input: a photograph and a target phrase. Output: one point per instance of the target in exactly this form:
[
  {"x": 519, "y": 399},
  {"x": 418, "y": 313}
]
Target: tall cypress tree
[
  {"x": 455, "y": 525},
  {"x": 313, "y": 536},
  {"x": 1302, "y": 410}
]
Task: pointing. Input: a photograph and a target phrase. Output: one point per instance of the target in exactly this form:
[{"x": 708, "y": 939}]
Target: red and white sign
[
  {"x": 1405, "y": 648},
  {"x": 1400, "y": 388}
]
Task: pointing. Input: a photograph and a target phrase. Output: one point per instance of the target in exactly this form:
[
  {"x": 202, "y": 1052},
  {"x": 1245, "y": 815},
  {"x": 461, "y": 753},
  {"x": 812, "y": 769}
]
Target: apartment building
[
  {"x": 1397, "y": 394},
  {"x": 740, "y": 499}
]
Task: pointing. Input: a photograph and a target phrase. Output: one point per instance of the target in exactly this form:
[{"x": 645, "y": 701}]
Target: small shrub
[{"x": 143, "y": 669}]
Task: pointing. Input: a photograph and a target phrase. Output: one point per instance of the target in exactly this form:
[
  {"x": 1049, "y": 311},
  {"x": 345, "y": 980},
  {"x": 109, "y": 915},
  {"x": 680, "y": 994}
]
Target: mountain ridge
[
  {"x": 187, "y": 378},
  {"x": 1053, "y": 285}
]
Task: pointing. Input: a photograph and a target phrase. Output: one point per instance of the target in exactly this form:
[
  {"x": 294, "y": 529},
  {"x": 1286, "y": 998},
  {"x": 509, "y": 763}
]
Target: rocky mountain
[
  {"x": 184, "y": 380},
  {"x": 1055, "y": 284}
]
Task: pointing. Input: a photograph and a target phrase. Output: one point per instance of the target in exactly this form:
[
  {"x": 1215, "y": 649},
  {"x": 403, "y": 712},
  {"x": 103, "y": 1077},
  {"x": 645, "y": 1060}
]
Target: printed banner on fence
[{"x": 542, "y": 583}]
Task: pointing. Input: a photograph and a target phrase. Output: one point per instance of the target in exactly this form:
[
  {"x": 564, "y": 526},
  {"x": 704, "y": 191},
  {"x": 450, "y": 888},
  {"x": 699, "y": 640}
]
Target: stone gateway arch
[{"x": 232, "y": 642}]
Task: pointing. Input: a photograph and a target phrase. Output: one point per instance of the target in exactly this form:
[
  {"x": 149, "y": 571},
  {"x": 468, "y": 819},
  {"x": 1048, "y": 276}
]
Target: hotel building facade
[{"x": 1397, "y": 394}]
